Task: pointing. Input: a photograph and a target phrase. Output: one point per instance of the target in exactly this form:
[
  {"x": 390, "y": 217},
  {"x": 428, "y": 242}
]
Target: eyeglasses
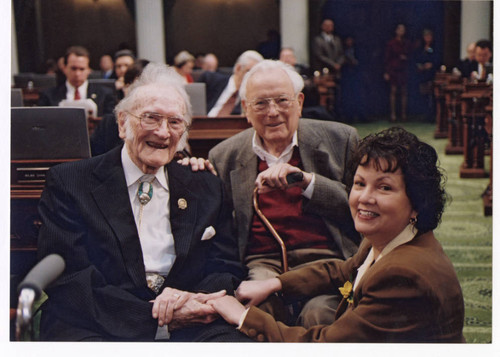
[
  {"x": 283, "y": 102},
  {"x": 153, "y": 121}
]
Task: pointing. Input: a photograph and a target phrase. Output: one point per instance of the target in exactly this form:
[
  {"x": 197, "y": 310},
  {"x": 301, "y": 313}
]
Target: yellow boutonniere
[{"x": 347, "y": 292}]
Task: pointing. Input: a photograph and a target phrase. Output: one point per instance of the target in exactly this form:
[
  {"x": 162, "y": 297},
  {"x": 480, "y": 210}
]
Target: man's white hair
[
  {"x": 248, "y": 56},
  {"x": 160, "y": 76},
  {"x": 295, "y": 78}
]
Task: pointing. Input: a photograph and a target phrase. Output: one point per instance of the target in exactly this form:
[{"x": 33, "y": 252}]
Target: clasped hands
[{"x": 177, "y": 308}]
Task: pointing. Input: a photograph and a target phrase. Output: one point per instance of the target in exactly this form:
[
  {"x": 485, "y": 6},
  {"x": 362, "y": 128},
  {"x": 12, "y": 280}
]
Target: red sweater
[{"x": 283, "y": 209}]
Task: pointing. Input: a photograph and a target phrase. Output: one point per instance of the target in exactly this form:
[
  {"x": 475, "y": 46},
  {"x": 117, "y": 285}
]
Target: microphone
[
  {"x": 42, "y": 274},
  {"x": 30, "y": 289}
]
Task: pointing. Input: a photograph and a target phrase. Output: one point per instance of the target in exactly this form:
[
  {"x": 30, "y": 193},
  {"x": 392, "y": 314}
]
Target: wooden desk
[
  {"x": 207, "y": 132},
  {"x": 475, "y": 136},
  {"x": 488, "y": 192},
  {"x": 454, "y": 119},
  {"x": 441, "y": 81}
]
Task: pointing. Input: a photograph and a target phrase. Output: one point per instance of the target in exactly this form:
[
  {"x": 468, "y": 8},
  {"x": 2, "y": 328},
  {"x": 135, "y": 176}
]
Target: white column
[
  {"x": 150, "y": 30},
  {"x": 295, "y": 28},
  {"x": 475, "y": 23},
  {"x": 14, "y": 65}
]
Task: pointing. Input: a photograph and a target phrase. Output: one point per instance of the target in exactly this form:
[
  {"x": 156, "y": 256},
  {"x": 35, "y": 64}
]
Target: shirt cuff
[
  {"x": 308, "y": 192},
  {"x": 242, "y": 318}
]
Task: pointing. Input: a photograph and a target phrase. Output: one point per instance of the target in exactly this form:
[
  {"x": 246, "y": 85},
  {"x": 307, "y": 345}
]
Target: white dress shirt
[
  {"x": 70, "y": 90},
  {"x": 155, "y": 231},
  {"x": 224, "y": 96},
  {"x": 404, "y": 237},
  {"x": 285, "y": 156}
]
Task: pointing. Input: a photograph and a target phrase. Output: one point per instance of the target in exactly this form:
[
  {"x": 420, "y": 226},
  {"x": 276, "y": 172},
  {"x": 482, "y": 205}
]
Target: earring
[{"x": 413, "y": 220}]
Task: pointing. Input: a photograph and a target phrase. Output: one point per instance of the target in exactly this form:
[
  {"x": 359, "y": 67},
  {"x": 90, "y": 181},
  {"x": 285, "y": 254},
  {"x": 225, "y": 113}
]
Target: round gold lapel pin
[{"x": 182, "y": 203}]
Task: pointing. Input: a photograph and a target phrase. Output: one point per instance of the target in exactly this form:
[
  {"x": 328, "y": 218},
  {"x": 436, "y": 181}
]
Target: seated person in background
[
  {"x": 140, "y": 234},
  {"x": 210, "y": 63},
  {"x": 105, "y": 136},
  {"x": 222, "y": 89},
  {"x": 106, "y": 65},
  {"x": 183, "y": 64},
  {"x": 287, "y": 55},
  {"x": 484, "y": 68},
  {"x": 400, "y": 286},
  {"x": 123, "y": 60},
  {"x": 465, "y": 67},
  {"x": 76, "y": 86},
  {"x": 312, "y": 217}
]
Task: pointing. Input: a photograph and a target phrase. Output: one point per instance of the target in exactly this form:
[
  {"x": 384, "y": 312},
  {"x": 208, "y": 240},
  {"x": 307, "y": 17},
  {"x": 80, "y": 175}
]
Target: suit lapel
[
  {"x": 60, "y": 93},
  {"x": 313, "y": 159},
  {"x": 183, "y": 212},
  {"x": 242, "y": 186},
  {"x": 112, "y": 198}
]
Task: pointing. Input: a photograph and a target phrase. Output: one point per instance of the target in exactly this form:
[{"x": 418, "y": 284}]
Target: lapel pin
[{"x": 182, "y": 203}]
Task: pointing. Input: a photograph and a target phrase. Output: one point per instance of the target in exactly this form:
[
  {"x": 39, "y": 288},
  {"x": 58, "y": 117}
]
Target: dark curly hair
[{"x": 418, "y": 161}]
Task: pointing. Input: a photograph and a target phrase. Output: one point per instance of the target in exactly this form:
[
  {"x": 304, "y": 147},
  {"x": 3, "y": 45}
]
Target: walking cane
[{"x": 290, "y": 178}]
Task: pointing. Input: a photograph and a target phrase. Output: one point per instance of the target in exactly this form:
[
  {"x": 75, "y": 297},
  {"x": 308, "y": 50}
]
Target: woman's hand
[
  {"x": 229, "y": 308},
  {"x": 254, "y": 292}
]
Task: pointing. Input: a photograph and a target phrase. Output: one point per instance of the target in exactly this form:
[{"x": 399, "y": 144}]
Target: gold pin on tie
[{"x": 182, "y": 203}]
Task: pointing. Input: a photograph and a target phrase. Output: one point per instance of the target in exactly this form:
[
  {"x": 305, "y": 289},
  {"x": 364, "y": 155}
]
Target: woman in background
[{"x": 396, "y": 70}]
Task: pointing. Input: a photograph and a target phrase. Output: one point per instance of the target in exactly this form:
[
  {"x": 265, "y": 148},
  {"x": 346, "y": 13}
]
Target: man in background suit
[
  {"x": 222, "y": 89},
  {"x": 327, "y": 49},
  {"x": 77, "y": 70},
  {"x": 140, "y": 235},
  {"x": 313, "y": 216},
  {"x": 465, "y": 66},
  {"x": 483, "y": 66},
  {"x": 106, "y": 65}
]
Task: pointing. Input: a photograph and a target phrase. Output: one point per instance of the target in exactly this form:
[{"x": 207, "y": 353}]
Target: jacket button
[{"x": 252, "y": 332}]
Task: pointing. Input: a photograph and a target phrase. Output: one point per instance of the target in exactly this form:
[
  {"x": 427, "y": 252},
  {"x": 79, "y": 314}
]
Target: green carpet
[{"x": 465, "y": 233}]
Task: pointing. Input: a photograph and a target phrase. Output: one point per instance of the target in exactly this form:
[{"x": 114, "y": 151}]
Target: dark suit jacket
[
  {"x": 488, "y": 67},
  {"x": 325, "y": 54},
  {"x": 325, "y": 149},
  {"x": 88, "y": 220},
  {"x": 102, "y": 96},
  {"x": 410, "y": 295},
  {"x": 215, "y": 84}
]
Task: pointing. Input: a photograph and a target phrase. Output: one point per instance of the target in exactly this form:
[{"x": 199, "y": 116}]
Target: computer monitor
[
  {"x": 49, "y": 133},
  {"x": 104, "y": 82},
  {"x": 197, "y": 96},
  {"x": 16, "y": 97}
]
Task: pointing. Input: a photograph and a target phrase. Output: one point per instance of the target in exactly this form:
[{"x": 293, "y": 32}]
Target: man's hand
[
  {"x": 180, "y": 308},
  {"x": 229, "y": 308},
  {"x": 198, "y": 164},
  {"x": 253, "y": 292},
  {"x": 275, "y": 178}
]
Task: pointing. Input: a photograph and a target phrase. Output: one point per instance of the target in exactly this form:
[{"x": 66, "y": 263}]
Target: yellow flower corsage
[{"x": 347, "y": 292}]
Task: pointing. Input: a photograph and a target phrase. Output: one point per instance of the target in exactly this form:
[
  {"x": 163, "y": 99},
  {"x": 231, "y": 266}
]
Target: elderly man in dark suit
[
  {"x": 312, "y": 217},
  {"x": 142, "y": 236},
  {"x": 222, "y": 89},
  {"x": 77, "y": 70}
]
